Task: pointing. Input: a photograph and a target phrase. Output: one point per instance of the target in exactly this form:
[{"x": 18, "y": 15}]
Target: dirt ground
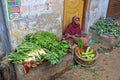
[{"x": 107, "y": 67}]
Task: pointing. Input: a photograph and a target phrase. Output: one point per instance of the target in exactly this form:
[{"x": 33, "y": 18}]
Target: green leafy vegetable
[
  {"x": 88, "y": 54},
  {"x": 102, "y": 26},
  {"x": 79, "y": 42},
  {"x": 39, "y": 47}
]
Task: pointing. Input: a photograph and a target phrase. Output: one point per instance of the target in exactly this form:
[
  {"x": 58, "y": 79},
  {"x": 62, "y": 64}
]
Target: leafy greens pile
[
  {"x": 39, "y": 47},
  {"x": 102, "y": 26}
]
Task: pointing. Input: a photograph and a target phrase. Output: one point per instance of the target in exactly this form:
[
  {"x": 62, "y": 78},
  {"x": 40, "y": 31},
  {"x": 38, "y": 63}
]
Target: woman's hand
[
  {"x": 77, "y": 35},
  {"x": 73, "y": 37}
]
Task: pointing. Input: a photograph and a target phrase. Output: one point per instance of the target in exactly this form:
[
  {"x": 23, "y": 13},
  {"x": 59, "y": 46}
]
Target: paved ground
[{"x": 107, "y": 67}]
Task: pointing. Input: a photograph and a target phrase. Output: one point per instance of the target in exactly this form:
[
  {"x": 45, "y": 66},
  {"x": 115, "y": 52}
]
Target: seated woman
[{"x": 73, "y": 32}]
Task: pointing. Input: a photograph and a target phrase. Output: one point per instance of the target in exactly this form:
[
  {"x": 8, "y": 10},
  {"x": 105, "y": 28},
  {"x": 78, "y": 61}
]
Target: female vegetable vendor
[{"x": 73, "y": 32}]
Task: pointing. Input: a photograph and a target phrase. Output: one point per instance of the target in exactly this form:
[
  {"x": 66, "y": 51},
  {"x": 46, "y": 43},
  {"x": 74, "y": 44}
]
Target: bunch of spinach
[
  {"x": 34, "y": 41},
  {"x": 22, "y": 51},
  {"x": 102, "y": 26},
  {"x": 42, "y": 39},
  {"x": 79, "y": 42},
  {"x": 57, "y": 51}
]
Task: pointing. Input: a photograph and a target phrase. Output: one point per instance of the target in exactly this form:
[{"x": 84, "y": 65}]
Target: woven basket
[{"x": 83, "y": 61}]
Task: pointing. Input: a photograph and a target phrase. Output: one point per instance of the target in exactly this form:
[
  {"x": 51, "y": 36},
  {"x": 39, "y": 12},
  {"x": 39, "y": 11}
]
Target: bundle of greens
[
  {"x": 79, "y": 42},
  {"x": 102, "y": 26},
  {"x": 39, "y": 47}
]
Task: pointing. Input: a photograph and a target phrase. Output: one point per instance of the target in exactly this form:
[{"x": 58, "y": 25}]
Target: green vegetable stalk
[
  {"x": 88, "y": 54},
  {"x": 35, "y": 44}
]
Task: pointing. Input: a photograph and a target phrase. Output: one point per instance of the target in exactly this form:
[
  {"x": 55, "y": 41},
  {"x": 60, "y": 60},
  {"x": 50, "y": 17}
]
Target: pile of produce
[
  {"x": 84, "y": 51},
  {"x": 88, "y": 54},
  {"x": 79, "y": 42},
  {"x": 79, "y": 47},
  {"x": 102, "y": 26},
  {"x": 39, "y": 47}
]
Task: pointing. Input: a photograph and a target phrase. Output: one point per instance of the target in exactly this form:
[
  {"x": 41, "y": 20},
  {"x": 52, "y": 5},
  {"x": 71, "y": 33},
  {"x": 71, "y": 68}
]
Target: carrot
[{"x": 79, "y": 50}]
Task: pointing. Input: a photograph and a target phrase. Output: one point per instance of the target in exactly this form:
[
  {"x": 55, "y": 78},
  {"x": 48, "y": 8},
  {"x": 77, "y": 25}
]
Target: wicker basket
[{"x": 83, "y": 61}]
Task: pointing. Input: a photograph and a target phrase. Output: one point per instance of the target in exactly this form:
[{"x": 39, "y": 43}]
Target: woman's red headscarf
[{"x": 73, "y": 28}]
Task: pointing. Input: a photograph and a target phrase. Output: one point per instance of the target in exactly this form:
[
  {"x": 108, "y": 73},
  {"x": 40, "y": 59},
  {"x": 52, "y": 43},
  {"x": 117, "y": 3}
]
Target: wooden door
[
  {"x": 73, "y": 8},
  {"x": 113, "y": 8}
]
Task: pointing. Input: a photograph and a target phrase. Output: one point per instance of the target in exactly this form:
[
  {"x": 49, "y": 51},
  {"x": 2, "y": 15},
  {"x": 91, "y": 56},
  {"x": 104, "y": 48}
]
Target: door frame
[
  {"x": 108, "y": 8},
  {"x": 83, "y": 17}
]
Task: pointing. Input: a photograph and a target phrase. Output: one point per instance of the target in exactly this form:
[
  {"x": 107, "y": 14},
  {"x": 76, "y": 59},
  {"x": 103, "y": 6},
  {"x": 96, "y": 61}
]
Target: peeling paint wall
[
  {"x": 50, "y": 20},
  {"x": 4, "y": 40},
  {"x": 1, "y": 45},
  {"x": 37, "y": 21},
  {"x": 97, "y": 9}
]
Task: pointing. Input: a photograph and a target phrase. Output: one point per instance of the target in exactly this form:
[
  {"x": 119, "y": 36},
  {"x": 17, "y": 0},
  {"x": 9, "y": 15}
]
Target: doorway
[
  {"x": 113, "y": 8},
  {"x": 74, "y": 8}
]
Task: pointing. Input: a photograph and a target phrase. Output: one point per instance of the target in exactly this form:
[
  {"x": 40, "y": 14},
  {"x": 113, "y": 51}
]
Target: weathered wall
[
  {"x": 1, "y": 45},
  {"x": 1, "y": 31},
  {"x": 36, "y": 16},
  {"x": 32, "y": 18},
  {"x": 4, "y": 40},
  {"x": 96, "y": 9}
]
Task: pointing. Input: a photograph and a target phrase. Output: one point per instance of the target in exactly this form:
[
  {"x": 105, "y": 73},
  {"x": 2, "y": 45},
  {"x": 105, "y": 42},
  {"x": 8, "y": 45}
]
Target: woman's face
[{"x": 77, "y": 21}]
